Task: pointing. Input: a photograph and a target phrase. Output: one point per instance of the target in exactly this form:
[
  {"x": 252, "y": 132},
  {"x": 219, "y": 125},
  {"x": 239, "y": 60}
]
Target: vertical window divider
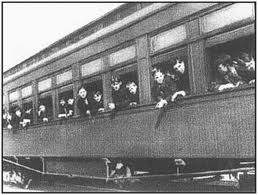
[
  {"x": 196, "y": 59},
  {"x": 76, "y": 77},
  {"x": 35, "y": 100},
  {"x": 106, "y": 83},
  {"x": 54, "y": 98},
  {"x": 143, "y": 70}
]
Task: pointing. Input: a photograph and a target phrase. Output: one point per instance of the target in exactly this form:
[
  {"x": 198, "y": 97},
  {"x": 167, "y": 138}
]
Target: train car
[{"x": 207, "y": 129}]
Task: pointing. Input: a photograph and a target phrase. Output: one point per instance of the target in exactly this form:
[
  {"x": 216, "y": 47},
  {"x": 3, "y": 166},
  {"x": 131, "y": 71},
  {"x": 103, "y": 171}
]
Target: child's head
[
  {"x": 18, "y": 112},
  {"x": 132, "y": 87},
  {"x": 62, "y": 101},
  {"x": 97, "y": 96},
  {"x": 158, "y": 76},
  {"x": 179, "y": 66},
  {"x": 42, "y": 107},
  {"x": 222, "y": 63},
  {"x": 70, "y": 101},
  {"x": 116, "y": 83},
  {"x": 82, "y": 92}
]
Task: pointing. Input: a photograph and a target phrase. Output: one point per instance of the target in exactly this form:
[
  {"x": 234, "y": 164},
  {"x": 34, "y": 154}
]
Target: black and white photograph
[{"x": 125, "y": 97}]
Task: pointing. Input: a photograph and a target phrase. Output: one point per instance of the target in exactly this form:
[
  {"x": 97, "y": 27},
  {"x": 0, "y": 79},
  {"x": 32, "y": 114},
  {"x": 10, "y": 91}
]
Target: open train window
[
  {"x": 66, "y": 101},
  {"x": 129, "y": 92},
  {"x": 233, "y": 63},
  {"x": 12, "y": 107},
  {"x": 45, "y": 110},
  {"x": 173, "y": 67},
  {"x": 27, "y": 109},
  {"x": 94, "y": 88}
]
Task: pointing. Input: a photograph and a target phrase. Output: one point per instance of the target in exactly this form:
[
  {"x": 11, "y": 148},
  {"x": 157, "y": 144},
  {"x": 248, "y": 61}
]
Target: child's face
[
  {"x": 222, "y": 69},
  {"x": 62, "y": 102},
  {"x": 82, "y": 93},
  {"x": 116, "y": 85},
  {"x": 97, "y": 97},
  {"x": 42, "y": 108},
  {"x": 159, "y": 77},
  {"x": 70, "y": 101},
  {"x": 132, "y": 87},
  {"x": 179, "y": 66},
  {"x": 18, "y": 113}
]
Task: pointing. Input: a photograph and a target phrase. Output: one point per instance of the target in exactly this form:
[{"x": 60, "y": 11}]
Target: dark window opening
[
  {"x": 94, "y": 96},
  {"x": 27, "y": 111},
  {"x": 176, "y": 69},
  {"x": 47, "y": 103},
  {"x": 66, "y": 106},
  {"x": 12, "y": 108},
  {"x": 227, "y": 64},
  {"x": 128, "y": 94}
]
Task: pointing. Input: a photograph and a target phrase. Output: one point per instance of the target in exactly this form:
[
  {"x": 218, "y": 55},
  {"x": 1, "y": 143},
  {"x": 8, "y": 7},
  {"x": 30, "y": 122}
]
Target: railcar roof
[{"x": 68, "y": 37}]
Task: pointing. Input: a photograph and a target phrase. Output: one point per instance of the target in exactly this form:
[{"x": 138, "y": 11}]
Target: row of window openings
[
  {"x": 66, "y": 76},
  {"x": 233, "y": 64}
]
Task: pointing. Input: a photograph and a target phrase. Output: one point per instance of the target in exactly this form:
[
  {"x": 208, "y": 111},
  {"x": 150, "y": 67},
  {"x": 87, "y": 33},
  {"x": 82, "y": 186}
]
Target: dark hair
[
  {"x": 81, "y": 87},
  {"x": 222, "y": 59}
]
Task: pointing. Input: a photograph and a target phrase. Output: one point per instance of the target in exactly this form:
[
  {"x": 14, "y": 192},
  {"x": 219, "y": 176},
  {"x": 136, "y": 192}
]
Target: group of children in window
[
  {"x": 233, "y": 71},
  {"x": 171, "y": 82},
  {"x": 17, "y": 118}
]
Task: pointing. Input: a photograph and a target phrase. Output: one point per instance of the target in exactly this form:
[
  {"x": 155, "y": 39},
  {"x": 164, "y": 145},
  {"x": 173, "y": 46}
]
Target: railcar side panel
[{"x": 218, "y": 127}]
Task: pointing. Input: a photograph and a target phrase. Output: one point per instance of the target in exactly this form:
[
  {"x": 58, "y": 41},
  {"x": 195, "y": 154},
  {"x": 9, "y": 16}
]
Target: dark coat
[
  {"x": 82, "y": 106},
  {"x": 42, "y": 115},
  {"x": 70, "y": 107},
  {"x": 182, "y": 81},
  {"x": 15, "y": 122},
  {"x": 95, "y": 106},
  {"x": 63, "y": 109},
  {"x": 245, "y": 74},
  {"x": 164, "y": 90},
  {"x": 229, "y": 77},
  {"x": 132, "y": 97},
  {"x": 120, "y": 98}
]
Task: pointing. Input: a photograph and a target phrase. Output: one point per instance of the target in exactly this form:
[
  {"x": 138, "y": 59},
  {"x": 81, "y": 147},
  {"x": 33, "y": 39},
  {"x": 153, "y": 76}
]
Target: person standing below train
[
  {"x": 122, "y": 173},
  {"x": 83, "y": 102}
]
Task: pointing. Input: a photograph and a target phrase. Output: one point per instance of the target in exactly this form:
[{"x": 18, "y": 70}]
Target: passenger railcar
[{"x": 209, "y": 130}]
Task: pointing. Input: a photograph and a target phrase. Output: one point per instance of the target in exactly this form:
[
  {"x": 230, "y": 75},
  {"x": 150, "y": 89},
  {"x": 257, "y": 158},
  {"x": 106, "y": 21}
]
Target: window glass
[
  {"x": 232, "y": 63},
  {"x": 168, "y": 38},
  {"x": 226, "y": 16},
  {"x": 122, "y": 55},
  {"x": 92, "y": 67},
  {"x": 44, "y": 85},
  {"x": 26, "y": 91},
  {"x": 13, "y": 96},
  {"x": 66, "y": 76}
]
